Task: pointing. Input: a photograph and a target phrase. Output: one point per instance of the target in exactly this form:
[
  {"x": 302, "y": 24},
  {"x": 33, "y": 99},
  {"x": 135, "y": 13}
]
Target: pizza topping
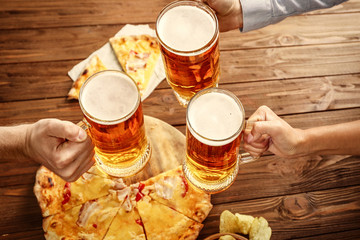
[
  {"x": 139, "y": 196},
  {"x": 119, "y": 184},
  {"x": 127, "y": 204},
  {"x": 141, "y": 186},
  {"x": 137, "y": 61},
  {"x": 138, "y": 221},
  {"x": 95, "y": 225},
  {"x": 122, "y": 194},
  {"x": 87, "y": 176},
  {"x": 165, "y": 189},
  {"x": 66, "y": 194},
  {"x": 87, "y": 209},
  {"x": 186, "y": 186},
  {"x": 50, "y": 181}
]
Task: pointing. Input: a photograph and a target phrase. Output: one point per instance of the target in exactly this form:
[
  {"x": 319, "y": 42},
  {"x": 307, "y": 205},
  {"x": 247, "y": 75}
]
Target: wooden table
[{"x": 306, "y": 68}]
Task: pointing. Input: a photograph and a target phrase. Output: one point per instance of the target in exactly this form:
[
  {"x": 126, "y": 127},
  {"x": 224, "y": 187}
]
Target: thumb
[
  {"x": 260, "y": 128},
  {"x": 67, "y": 130}
]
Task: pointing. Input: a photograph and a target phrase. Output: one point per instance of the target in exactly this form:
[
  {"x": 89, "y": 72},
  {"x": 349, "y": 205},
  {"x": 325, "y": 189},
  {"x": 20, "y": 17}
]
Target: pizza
[
  {"x": 137, "y": 56},
  {"x": 56, "y": 195},
  {"x": 93, "y": 66},
  {"x": 172, "y": 189},
  {"x": 162, "y": 222},
  {"x": 87, "y": 221},
  {"x": 98, "y": 206}
]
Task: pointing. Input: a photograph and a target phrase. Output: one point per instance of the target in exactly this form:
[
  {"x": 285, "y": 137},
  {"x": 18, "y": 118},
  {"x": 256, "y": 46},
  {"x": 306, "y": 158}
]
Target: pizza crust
[{"x": 93, "y": 66}]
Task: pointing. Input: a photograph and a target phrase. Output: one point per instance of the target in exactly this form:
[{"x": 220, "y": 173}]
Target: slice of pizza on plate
[
  {"x": 161, "y": 222},
  {"x": 137, "y": 56},
  {"x": 93, "y": 66},
  {"x": 172, "y": 189},
  {"x": 55, "y": 194},
  {"x": 88, "y": 221}
]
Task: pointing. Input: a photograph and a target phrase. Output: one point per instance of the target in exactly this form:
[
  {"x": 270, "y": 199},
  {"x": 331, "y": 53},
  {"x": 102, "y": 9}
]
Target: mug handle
[
  {"x": 246, "y": 157},
  {"x": 84, "y": 125}
]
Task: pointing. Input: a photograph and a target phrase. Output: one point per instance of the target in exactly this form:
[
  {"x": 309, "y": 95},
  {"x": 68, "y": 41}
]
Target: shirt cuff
[{"x": 256, "y": 14}]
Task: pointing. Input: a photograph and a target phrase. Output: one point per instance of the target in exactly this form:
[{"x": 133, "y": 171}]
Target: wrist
[
  {"x": 26, "y": 149},
  {"x": 302, "y": 143}
]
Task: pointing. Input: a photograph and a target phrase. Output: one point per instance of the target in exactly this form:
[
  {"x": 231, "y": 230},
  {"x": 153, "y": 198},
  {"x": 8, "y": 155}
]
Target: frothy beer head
[
  {"x": 186, "y": 28},
  {"x": 215, "y": 118},
  {"x": 109, "y": 96}
]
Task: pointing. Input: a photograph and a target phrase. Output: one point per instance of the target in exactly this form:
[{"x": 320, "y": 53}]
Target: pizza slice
[
  {"x": 161, "y": 222},
  {"x": 93, "y": 66},
  {"x": 126, "y": 225},
  {"x": 172, "y": 189},
  {"x": 137, "y": 56},
  {"x": 56, "y": 195},
  {"x": 87, "y": 221}
]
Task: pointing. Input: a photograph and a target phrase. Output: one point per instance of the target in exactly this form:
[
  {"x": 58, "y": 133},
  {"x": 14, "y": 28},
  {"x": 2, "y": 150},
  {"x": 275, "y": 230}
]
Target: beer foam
[
  {"x": 186, "y": 28},
  {"x": 215, "y": 116},
  {"x": 109, "y": 96}
]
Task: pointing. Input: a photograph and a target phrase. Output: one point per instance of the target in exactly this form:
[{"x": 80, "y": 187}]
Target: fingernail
[{"x": 82, "y": 135}]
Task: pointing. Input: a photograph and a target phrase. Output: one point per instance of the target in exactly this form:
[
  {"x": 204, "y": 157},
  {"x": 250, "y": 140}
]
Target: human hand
[
  {"x": 270, "y": 132},
  {"x": 228, "y": 12},
  {"x": 61, "y": 146}
]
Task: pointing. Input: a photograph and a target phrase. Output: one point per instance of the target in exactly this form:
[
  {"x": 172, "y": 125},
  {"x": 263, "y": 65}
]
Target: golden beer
[
  {"x": 111, "y": 103},
  {"x": 189, "y": 41},
  {"x": 214, "y": 125}
]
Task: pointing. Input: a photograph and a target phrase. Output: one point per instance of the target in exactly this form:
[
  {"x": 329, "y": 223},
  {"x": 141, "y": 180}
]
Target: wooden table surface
[{"x": 306, "y": 68}]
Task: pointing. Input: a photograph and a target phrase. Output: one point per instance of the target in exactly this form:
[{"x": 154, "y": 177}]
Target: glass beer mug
[
  {"x": 188, "y": 32},
  {"x": 215, "y": 121},
  {"x": 113, "y": 116}
]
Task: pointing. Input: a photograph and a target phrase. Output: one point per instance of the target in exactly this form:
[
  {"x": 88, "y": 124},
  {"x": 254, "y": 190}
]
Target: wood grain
[
  {"x": 78, "y": 13},
  {"x": 55, "y": 44},
  {"x": 168, "y": 149},
  {"x": 299, "y": 215}
]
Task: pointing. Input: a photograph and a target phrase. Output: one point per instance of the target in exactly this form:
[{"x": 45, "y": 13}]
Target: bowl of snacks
[
  {"x": 237, "y": 226},
  {"x": 225, "y": 236}
]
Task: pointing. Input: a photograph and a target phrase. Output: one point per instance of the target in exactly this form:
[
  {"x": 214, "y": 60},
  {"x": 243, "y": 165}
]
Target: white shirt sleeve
[{"x": 260, "y": 13}]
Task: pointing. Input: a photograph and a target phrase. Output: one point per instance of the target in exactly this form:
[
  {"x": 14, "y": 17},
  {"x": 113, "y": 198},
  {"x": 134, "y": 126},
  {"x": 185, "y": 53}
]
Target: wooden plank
[
  {"x": 295, "y": 31},
  {"x": 42, "y": 14},
  {"x": 284, "y": 97},
  {"x": 49, "y": 79},
  {"x": 290, "y": 62},
  {"x": 67, "y": 43},
  {"x": 26, "y": 81},
  {"x": 299, "y": 215},
  {"x": 20, "y": 213},
  {"x": 346, "y": 235},
  {"x": 28, "y": 235}
]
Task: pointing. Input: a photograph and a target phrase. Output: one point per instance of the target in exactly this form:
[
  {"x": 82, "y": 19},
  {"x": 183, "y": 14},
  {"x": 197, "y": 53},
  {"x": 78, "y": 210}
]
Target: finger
[
  {"x": 270, "y": 128},
  {"x": 66, "y": 130},
  {"x": 249, "y": 148},
  {"x": 260, "y": 144},
  {"x": 70, "y": 171},
  {"x": 263, "y": 113},
  {"x": 69, "y": 153}
]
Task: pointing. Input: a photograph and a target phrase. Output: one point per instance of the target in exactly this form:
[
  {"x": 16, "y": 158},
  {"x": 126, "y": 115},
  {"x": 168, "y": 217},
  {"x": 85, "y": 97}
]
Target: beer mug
[
  {"x": 215, "y": 121},
  {"x": 113, "y": 117},
  {"x": 188, "y": 32}
]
